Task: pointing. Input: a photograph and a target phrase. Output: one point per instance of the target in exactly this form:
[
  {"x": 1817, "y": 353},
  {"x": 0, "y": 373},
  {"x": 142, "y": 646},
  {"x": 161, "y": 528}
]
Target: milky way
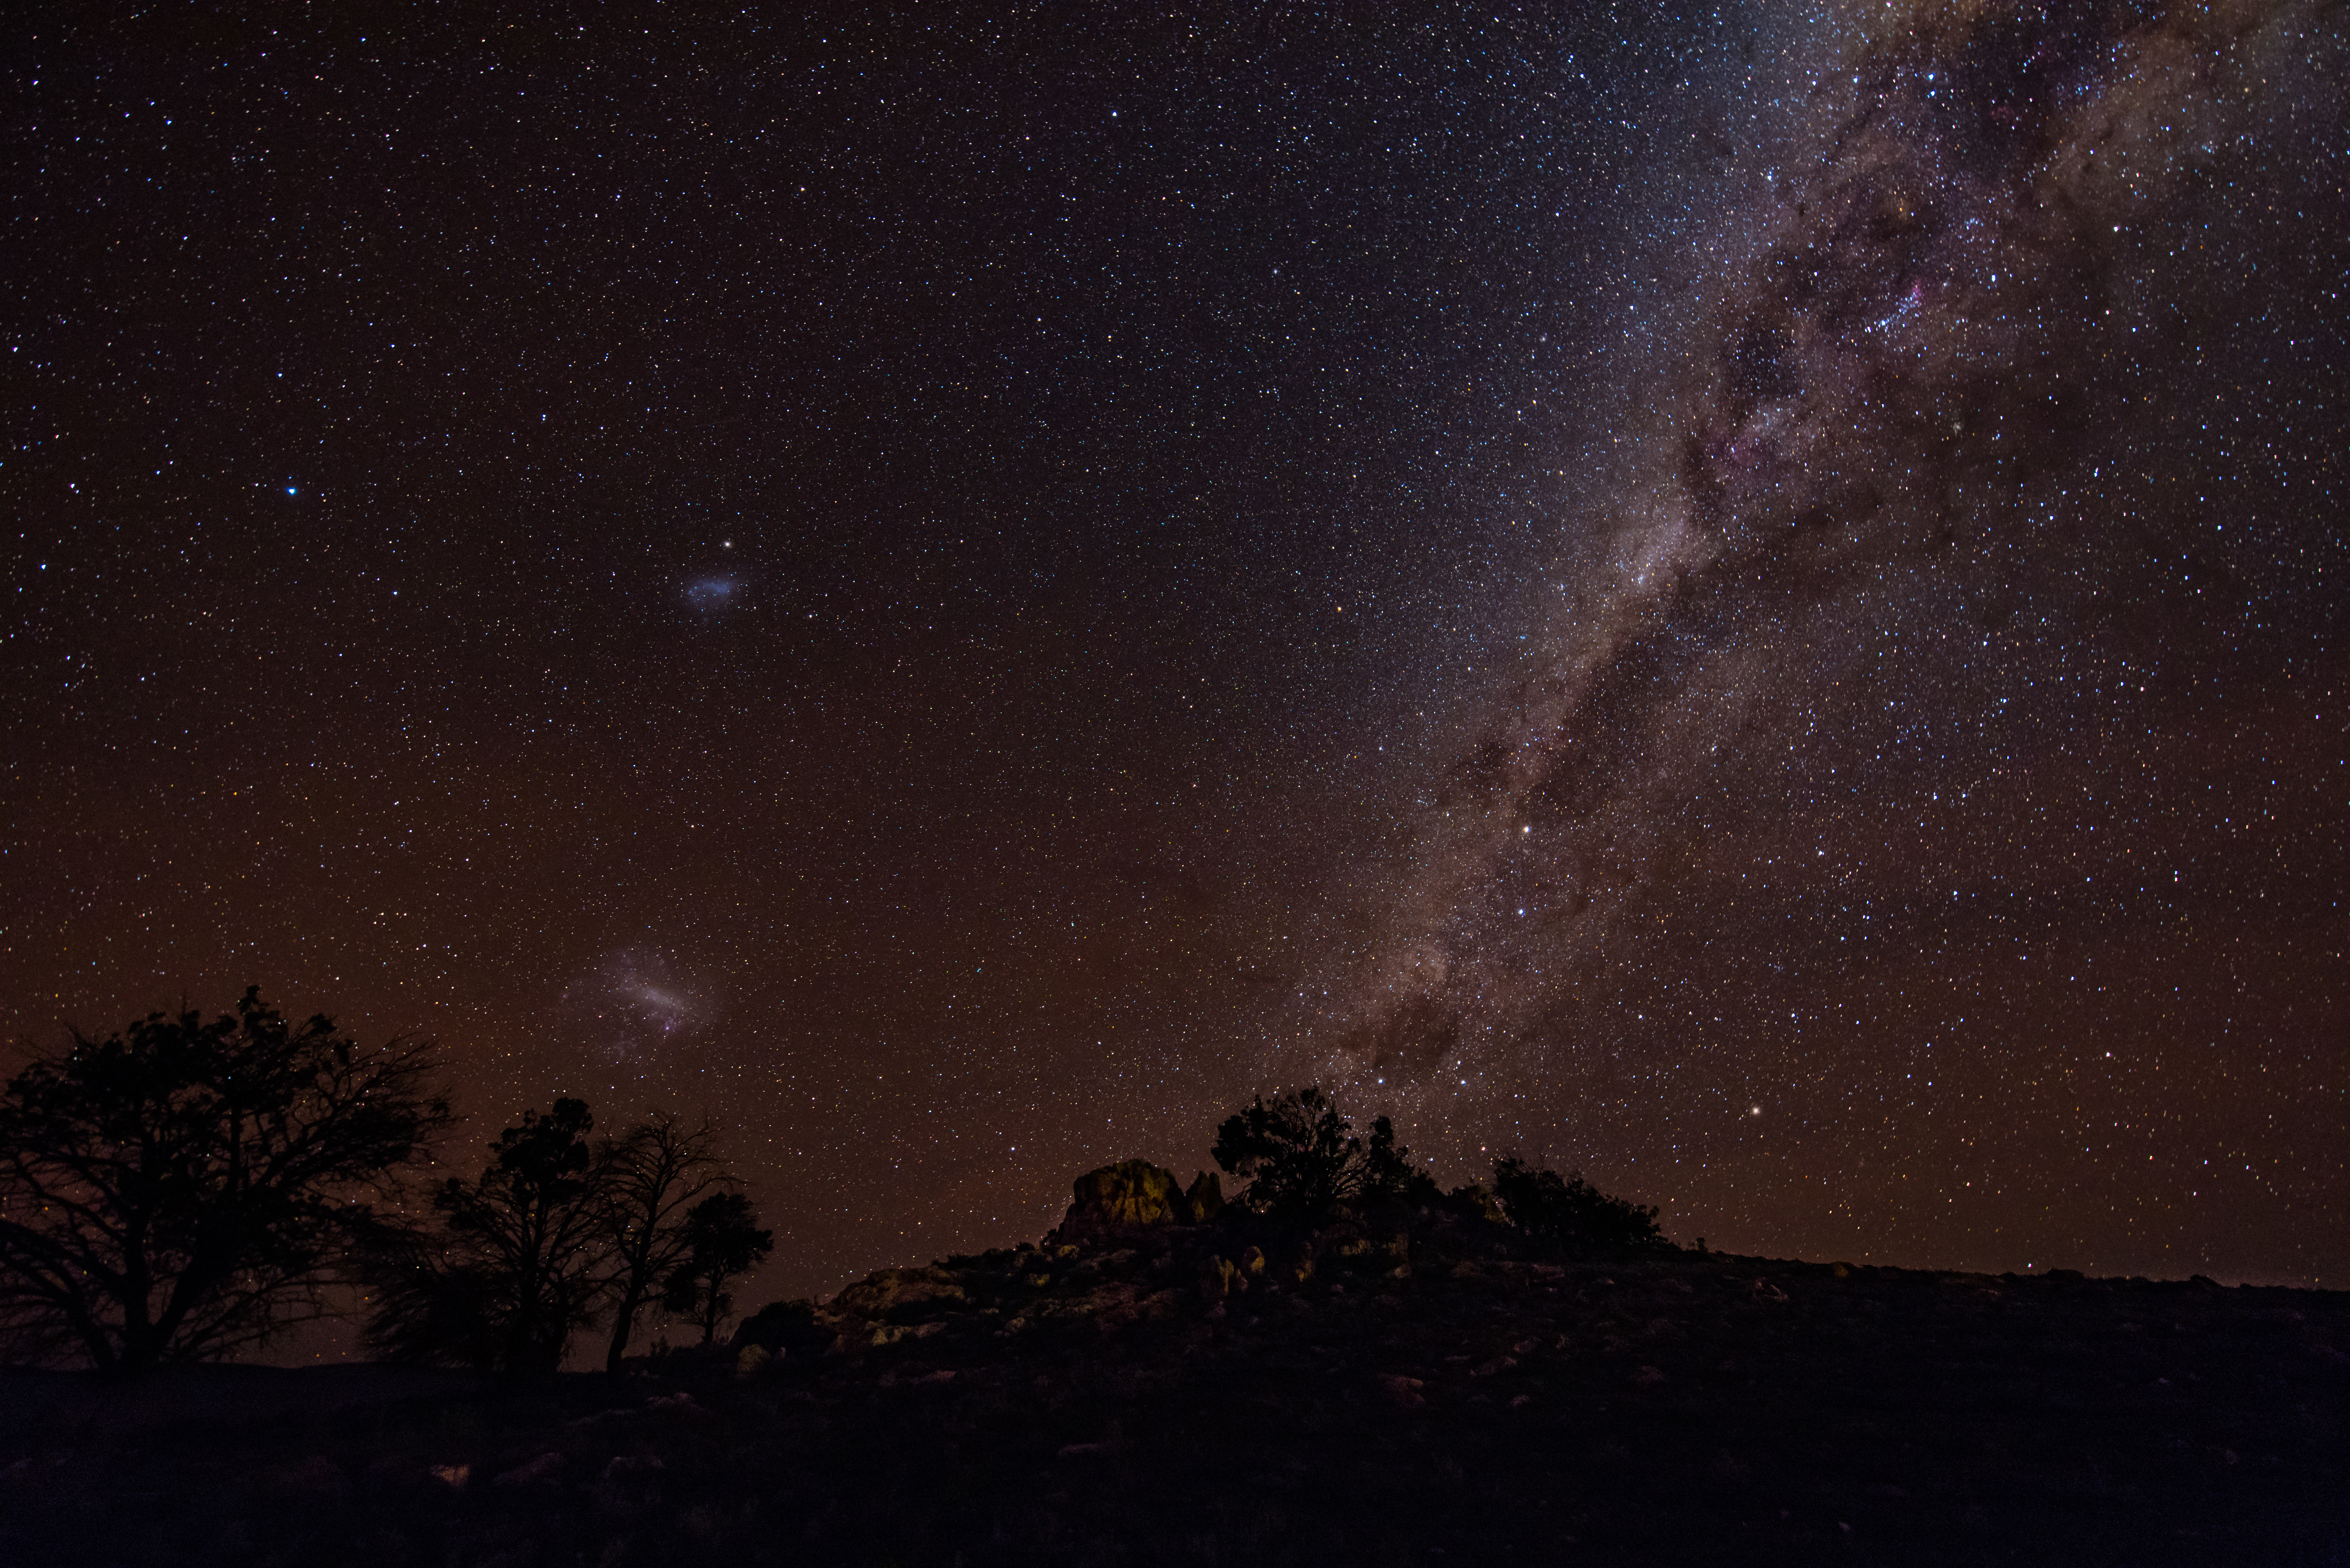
[
  {"x": 1864, "y": 777},
  {"x": 1743, "y": 598}
]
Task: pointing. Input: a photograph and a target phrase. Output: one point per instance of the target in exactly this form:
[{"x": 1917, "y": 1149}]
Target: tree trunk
[
  {"x": 624, "y": 1321},
  {"x": 711, "y": 1307}
]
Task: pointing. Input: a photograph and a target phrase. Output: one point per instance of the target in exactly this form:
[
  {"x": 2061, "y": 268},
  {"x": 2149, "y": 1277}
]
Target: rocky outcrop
[
  {"x": 1132, "y": 1192},
  {"x": 1205, "y": 1201},
  {"x": 786, "y": 1329},
  {"x": 891, "y": 1304},
  {"x": 901, "y": 1296}
]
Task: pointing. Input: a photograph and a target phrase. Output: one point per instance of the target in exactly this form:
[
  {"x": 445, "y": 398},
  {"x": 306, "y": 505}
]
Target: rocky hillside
[{"x": 1166, "y": 1382}]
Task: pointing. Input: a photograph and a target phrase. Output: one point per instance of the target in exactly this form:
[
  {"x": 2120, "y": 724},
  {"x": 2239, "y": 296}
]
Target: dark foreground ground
[{"x": 1448, "y": 1396}]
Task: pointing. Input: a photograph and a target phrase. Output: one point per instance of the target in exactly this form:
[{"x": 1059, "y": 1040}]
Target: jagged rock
[
  {"x": 1132, "y": 1192},
  {"x": 541, "y": 1472},
  {"x": 1205, "y": 1201},
  {"x": 891, "y": 1333},
  {"x": 901, "y": 1296}
]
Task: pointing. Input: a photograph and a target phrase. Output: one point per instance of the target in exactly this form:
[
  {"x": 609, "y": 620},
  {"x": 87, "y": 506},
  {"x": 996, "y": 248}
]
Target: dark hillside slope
[{"x": 1433, "y": 1391}]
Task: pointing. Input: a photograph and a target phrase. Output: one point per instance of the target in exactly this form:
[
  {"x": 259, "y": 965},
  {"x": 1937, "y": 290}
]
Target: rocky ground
[{"x": 1431, "y": 1390}]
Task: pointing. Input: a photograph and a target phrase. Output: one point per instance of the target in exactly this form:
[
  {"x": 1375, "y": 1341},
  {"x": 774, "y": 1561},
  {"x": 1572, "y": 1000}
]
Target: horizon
[{"x": 1746, "y": 603}]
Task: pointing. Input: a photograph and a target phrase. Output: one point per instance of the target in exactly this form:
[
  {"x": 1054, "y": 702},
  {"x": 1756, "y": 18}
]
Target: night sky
[{"x": 1748, "y": 599}]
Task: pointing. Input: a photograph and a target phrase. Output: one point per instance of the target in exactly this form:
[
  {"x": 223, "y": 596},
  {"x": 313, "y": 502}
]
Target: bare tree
[
  {"x": 653, "y": 1174},
  {"x": 522, "y": 1266},
  {"x": 184, "y": 1190}
]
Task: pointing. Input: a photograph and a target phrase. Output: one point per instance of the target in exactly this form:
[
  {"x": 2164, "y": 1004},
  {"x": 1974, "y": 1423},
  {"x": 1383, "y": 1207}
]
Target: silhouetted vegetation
[
  {"x": 722, "y": 1242},
  {"x": 522, "y": 1264},
  {"x": 786, "y": 1329},
  {"x": 1247, "y": 1385},
  {"x": 184, "y": 1190},
  {"x": 1301, "y": 1158},
  {"x": 1389, "y": 1175},
  {"x": 1569, "y": 1209},
  {"x": 553, "y": 1235},
  {"x": 653, "y": 1175},
  {"x": 1300, "y": 1155}
]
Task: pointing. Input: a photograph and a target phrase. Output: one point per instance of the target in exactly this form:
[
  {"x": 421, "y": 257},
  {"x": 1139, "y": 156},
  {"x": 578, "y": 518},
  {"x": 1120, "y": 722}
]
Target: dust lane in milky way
[
  {"x": 1918, "y": 824},
  {"x": 1745, "y": 599}
]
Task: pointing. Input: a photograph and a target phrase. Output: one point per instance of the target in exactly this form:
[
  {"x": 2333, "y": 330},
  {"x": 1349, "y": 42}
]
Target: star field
[{"x": 1745, "y": 599}]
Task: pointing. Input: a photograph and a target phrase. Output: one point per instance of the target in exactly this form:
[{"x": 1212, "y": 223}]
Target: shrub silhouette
[
  {"x": 1389, "y": 1175},
  {"x": 1300, "y": 1155},
  {"x": 521, "y": 1266},
  {"x": 1567, "y": 1207},
  {"x": 786, "y": 1329},
  {"x": 185, "y": 1189},
  {"x": 722, "y": 1242}
]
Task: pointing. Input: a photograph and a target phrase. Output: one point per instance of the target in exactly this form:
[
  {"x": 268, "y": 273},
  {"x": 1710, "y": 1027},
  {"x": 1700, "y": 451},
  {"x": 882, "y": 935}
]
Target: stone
[
  {"x": 1132, "y": 1192},
  {"x": 901, "y": 1296},
  {"x": 786, "y": 1329},
  {"x": 543, "y": 1471},
  {"x": 628, "y": 1486},
  {"x": 892, "y": 1333},
  {"x": 751, "y": 1359},
  {"x": 1205, "y": 1201},
  {"x": 316, "y": 1479}
]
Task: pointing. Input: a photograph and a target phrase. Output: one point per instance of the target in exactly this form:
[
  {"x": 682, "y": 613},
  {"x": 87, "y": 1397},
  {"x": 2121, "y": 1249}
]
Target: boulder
[
  {"x": 901, "y": 1296},
  {"x": 785, "y": 1328},
  {"x": 539, "y": 1474},
  {"x": 1206, "y": 1199},
  {"x": 316, "y": 1479},
  {"x": 1401, "y": 1391},
  {"x": 1132, "y": 1192}
]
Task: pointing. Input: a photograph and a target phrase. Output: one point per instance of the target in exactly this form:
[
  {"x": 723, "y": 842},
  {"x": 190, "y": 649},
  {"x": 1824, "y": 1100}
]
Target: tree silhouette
[
  {"x": 724, "y": 1242},
  {"x": 1568, "y": 1208},
  {"x": 520, "y": 1267},
  {"x": 1389, "y": 1174},
  {"x": 185, "y": 1189},
  {"x": 1300, "y": 1155},
  {"x": 653, "y": 1175}
]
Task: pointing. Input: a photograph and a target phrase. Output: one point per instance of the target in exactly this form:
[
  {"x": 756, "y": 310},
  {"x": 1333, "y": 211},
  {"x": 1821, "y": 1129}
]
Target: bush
[
  {"x": 722, "y": 1242},
  {"x": 1567, "y": 1207},
  {"x": 1300, "y": 1156},
  {"x": 185, "y": 1190},
  {"x": 786, "y": 1329},
  {"x": 522, "y": 1265}
]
